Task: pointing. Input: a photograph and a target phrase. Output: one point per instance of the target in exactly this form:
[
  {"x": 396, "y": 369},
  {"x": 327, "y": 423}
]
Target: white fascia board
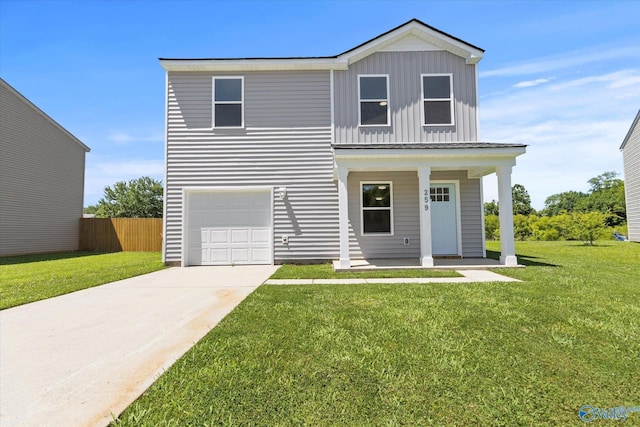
[
  {"x": 631, "y": 130},
  {"x": 424, "y": 153},
  {"x": 471, "y": 55},
  {"x": 275, "y": 64},
  {"x": 409, "y": 164}
]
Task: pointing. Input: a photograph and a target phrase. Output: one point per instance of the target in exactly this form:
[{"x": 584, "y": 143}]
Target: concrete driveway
[{"x": 76, "y": 359}]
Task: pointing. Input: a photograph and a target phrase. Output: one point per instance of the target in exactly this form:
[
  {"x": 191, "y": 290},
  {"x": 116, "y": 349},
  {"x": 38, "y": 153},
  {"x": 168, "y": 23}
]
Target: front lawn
[
  {"x": 326, "y": 271},
  {"x": 501, "y": 354},
  {"x": 32, "y": 278}
]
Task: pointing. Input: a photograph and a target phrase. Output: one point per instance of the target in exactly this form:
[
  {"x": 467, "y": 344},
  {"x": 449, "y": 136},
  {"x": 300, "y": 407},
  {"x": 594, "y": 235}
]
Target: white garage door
[{"x": 229, "y": 227}]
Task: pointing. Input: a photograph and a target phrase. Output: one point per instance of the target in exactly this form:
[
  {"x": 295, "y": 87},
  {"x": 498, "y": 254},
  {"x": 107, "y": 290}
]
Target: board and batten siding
[
  {"x": 405, "y": 90},
  {"x": 41, "y": 180},
  {"x": 631, "y": 161},
  {"x": 286, "y": 142},
  {"x": 406, "y": 215}
]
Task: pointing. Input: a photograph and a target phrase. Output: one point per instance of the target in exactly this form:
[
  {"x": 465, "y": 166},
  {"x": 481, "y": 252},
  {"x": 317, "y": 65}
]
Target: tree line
[
  {"x": 138, "y": 198},
  {"x": 571, "y": 215}
]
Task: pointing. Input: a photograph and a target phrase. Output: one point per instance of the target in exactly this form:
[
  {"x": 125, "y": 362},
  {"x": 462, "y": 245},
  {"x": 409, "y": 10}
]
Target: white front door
[{"x": 444, "y": 219}]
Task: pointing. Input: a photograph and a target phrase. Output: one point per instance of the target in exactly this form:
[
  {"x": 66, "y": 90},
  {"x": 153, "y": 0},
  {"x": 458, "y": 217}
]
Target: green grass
[
  {"x": 32, "y": 278},
  {"x": 325, "y": 271},
  {"x": 503, "y": 354}
]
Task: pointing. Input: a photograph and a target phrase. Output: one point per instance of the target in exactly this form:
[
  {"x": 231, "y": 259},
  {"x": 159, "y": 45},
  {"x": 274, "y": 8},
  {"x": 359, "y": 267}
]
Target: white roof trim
[
  {"x": 259, "y": 64},
  {"x": 631, "y": 129},
  {"x": 43, "y": 114},
  {"x": 431, "y": 36},
  {"x": 429, "y": 153},
  {"x": 428, "y": 35}
]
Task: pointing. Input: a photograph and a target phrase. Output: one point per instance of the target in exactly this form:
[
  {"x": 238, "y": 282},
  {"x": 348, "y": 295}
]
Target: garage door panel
[
  {"x": 261, "y": 254},
  {"x": 219, "y": 236},
  {"x": 219, "y": 255},
  {"x": 240, "y": 255},
  {"x": 240, "y": 236}
]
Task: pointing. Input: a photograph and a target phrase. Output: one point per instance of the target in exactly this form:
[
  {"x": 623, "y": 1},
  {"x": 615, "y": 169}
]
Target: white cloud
[
  {"x": 565, "y": 60},
  {"x": 127, "y": 138},
  {"x": 531, "y": 83}
]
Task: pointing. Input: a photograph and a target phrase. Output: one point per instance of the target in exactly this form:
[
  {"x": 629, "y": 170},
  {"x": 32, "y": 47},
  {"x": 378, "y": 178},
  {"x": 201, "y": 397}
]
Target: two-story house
[{"x": 372, "y": 153}]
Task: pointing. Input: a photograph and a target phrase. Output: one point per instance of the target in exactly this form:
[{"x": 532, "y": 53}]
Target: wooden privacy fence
[{"x": 121, "y": 234}]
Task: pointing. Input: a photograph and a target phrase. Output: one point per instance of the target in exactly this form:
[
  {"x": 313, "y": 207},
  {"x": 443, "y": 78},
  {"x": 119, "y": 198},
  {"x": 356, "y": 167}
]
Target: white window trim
[
  {"x": 360, "y": 100},
  {"x": 390, "y": 208},
  {"x": 423, "y": 99},
  {"x": 213, "y": 103}
]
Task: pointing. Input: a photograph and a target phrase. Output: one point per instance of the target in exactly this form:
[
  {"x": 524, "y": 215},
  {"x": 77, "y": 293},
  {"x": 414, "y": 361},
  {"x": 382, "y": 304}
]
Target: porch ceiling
[{"x": 478, "y": 158}]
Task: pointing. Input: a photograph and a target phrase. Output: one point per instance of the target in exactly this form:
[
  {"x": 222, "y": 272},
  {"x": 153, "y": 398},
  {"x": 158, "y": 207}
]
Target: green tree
[
  {"x": 491, "y": 208},
  {"x": 587, "y": 226},
  {"x": 91, "y": 209},
  {"x": 521, "y": 228},
  {"x": 604, "y": 181},
  {"x": 521, "y": 200},
  {"x": 491, "y": 227},
  {"x": 606, "y": 196},
  {"x": 138, "y": 198},
  {"x": 567, "y": 202}
]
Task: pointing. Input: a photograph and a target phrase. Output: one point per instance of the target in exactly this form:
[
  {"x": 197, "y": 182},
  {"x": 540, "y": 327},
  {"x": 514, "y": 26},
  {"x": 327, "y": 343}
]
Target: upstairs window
[
  {"x": 373, "y": 94},
  {"x": 377, "y": 211},
  {"x": 437, "y": 99},
  {"x": 228, "y": 97}
]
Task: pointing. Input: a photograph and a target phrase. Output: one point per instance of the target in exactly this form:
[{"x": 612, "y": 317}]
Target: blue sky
[{"x": 560, "y": 76}]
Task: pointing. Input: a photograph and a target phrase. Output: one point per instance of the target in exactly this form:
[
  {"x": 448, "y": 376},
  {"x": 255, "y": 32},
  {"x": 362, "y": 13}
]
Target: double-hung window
[
  {"x": 228, "y": 98},
  {"x": 437, "y": 99},
  {"x": 373, "y": 100},
  {"x": 377, "y": 207}
]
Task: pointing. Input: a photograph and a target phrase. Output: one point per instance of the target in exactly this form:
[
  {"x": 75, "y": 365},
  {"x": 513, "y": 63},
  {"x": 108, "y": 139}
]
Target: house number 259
[{"x": 426, "y": 200}]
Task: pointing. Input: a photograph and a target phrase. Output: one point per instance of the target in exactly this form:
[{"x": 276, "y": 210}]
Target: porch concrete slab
[
  {"x": 76, "y": 359},
  {"x": 468, "y": 276},
  {"x": 414, "y": 263}
]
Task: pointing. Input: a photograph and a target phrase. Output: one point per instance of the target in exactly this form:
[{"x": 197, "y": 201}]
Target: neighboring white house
[
  {"x": 372, "y": 153},
  {"x": 631, "y": 158},
  {"x": 41, "y": 179}
]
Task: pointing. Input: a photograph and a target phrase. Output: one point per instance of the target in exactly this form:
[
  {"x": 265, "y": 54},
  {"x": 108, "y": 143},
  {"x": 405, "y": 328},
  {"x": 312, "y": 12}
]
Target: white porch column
[
  {"x": 507, "y": 245},
  {"x": 343, "y": 213},
  {"x": 426, "y": 252}
]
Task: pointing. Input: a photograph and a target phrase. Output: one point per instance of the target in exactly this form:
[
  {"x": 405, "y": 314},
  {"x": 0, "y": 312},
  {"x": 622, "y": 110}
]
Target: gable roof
[
  {"x": 42, "y": 113},
  {"x": 420, "y": 33},
  {"x": 631, "y": 129}
]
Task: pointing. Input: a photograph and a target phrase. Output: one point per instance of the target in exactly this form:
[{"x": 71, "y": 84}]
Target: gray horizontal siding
[
  {"x": 41, "y": 181},
  {"x": 272, "y": 99},
  {"x": 631, "y": 160},
  {"x": 286, "y": 142},
  {"x": 406, "y": 215},
  {"x": 404, "y": 70}
]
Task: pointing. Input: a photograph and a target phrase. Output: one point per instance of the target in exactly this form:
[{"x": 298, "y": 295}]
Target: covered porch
[{"x": 418, "y": 207}]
